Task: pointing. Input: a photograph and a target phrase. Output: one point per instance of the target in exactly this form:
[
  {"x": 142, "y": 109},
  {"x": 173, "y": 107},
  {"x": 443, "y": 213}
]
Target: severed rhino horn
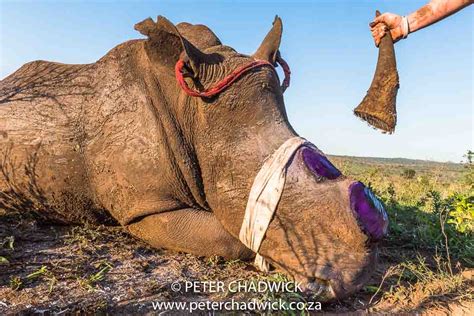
[{"x": 378, "y": 107}]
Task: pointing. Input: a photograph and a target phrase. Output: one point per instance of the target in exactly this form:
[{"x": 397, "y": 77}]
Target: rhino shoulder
[{"x": 123, "y": 51}]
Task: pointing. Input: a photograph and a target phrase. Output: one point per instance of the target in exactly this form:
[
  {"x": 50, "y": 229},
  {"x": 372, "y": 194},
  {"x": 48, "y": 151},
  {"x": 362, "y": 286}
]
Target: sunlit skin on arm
[{"x": 432, "y": 12}]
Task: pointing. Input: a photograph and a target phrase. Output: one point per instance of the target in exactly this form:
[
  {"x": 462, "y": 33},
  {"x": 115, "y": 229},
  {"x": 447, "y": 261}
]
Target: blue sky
[{"x": 327, "y": 44}]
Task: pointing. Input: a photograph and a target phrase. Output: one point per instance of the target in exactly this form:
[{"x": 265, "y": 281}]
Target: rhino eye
[{"x": 319, "y": 164}]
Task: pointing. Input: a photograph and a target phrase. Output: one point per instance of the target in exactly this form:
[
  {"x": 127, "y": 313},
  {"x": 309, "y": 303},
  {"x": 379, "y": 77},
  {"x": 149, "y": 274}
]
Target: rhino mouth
[
  {"x": 315, "y": 286},
  {"x": 330, "y": 289},
  {"x": 327, "y": 284},
  {"x": 319, "y": 287}
]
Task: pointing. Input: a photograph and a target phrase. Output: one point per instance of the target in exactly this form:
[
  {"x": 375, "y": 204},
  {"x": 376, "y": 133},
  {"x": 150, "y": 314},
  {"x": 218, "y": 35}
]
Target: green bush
[
  {"x": 461, "y": 214},
  {"x": 420, "y": 225}
]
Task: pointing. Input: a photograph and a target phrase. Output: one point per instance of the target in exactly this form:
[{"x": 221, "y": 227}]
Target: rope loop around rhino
[{"x": 228, "y": 80}]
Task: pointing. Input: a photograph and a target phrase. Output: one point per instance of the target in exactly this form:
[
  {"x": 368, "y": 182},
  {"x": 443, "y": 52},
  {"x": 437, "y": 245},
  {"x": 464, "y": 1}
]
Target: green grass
[
  {"x": 93, "y": 279},
  {"x": 43, "y": 273},
  {"x": 417, "y": 282}
]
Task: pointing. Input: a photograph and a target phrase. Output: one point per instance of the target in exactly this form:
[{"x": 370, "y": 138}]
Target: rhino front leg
[{"x": 189, "y": 230}]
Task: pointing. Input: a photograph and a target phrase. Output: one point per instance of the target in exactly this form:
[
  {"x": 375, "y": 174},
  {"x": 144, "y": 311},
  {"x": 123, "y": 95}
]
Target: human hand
[{"x": 386, "y": 22}]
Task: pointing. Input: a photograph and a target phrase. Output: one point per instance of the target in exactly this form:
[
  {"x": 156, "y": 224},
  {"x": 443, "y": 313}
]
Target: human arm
[{"x": 430, "y": 13}]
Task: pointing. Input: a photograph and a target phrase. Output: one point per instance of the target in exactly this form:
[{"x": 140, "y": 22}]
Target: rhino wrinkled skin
[{"x": 119, "y": 141}]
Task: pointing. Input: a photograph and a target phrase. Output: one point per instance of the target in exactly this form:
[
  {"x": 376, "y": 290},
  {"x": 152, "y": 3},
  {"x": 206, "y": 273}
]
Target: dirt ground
[{"x": 69, "y": 269}]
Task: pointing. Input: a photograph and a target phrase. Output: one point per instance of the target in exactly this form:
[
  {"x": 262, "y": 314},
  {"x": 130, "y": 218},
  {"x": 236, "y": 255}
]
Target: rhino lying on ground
[{"x": 121, "y": 139}]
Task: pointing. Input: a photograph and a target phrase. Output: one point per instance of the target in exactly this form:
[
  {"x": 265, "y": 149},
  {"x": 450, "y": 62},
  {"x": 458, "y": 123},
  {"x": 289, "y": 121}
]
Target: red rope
[
  {"x": 286, "y": 70},
  {"x": 228, "y": 80}
]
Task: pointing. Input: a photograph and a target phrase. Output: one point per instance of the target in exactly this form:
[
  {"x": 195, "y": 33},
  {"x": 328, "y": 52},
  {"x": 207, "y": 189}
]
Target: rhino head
[{"x": 326, "y": 227}]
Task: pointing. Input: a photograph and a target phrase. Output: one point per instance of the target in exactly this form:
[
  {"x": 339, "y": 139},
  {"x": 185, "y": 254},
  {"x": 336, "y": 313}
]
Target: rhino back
[
  {"x": 100, "y": 135},
  {"x": 40, "y": 127}
]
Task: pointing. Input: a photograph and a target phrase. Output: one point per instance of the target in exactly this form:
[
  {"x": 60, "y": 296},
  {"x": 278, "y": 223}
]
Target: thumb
[{"x": 377, "y": 20}]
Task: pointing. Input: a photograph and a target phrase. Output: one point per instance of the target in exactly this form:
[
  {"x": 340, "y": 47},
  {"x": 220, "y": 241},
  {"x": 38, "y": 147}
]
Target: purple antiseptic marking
[
  {"x": 319, "y": 164},
  {"x": 369, "y": 210}
]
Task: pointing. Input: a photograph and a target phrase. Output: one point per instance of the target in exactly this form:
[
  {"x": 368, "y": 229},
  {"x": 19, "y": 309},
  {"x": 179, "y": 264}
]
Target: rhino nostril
[
  {"x": 319, "y": 164},
  {"x": 369, "y": 210}
]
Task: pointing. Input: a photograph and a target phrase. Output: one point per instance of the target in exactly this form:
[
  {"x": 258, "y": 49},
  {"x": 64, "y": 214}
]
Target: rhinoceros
[{"x": 122, "y": 141}]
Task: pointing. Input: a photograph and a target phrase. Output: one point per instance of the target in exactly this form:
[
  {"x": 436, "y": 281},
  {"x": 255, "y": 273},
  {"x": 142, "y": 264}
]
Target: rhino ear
[
  {"x": 269, "y": 47},
  {"x": 146, "y": 27},
  {"x": 165, "y": 43}
]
